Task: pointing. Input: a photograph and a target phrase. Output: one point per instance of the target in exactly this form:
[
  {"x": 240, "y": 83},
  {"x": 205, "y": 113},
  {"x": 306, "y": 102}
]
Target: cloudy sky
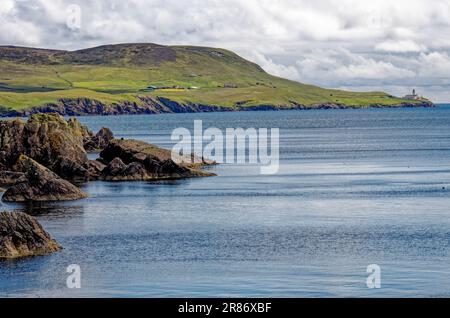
[{"x": 389, "y": 45}]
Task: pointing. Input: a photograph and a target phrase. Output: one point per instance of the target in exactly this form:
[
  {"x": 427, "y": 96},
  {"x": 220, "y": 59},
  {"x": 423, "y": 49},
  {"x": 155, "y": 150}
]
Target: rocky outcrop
[
  {"x": 21, "y": 236},
  {"x": 138, "y": 160},
  {"x": 159, "y": 105},
  {"x": 8, "y": 178},
  {"x": 98, "y": 141},
  {"x": 40, "y": 184},
  {"x": 39, "y": 157},
  {"x": 53, "y": 142},
  {"x": 117, "y": 170},
  {"x": 96, "y": 168},
  {"x": 50, "y": 140}
]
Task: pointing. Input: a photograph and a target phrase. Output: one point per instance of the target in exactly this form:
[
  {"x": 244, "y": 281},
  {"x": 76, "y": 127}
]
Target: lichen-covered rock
[
  {"x": 21, "y": 236},
  {"x": 40, "y": 184},
  {"x": 138, "y": 160},
  {"x": 50, "y": 140}
]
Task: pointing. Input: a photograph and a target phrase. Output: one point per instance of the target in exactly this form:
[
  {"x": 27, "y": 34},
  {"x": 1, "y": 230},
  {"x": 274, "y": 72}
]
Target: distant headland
[{"x": 150, "y": 78}]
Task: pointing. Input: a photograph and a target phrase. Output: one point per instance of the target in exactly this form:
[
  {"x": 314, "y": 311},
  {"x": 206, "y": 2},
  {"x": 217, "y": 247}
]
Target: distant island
[{"x": 151, "y": 78}]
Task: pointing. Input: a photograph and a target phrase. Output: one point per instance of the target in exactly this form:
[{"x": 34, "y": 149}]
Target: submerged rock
[
  {"x": 21, "y": 235},
  {"x": 40, "y": 184},
  {"x": 138, "y": 160}
]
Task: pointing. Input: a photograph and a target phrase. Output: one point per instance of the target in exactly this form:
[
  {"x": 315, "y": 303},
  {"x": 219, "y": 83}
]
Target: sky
[{"x": 387, "y": 45}]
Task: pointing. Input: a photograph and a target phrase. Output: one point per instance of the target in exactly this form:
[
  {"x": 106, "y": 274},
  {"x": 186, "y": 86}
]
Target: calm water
[{"x": 355, "y": 187}]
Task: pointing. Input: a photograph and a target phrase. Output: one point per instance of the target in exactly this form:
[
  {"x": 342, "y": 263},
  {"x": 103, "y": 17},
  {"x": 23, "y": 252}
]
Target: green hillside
[{"x": 186, "y": 74}]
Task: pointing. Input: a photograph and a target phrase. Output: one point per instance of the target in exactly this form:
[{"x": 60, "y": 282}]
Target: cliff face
[{"x": 160, "y": 105}]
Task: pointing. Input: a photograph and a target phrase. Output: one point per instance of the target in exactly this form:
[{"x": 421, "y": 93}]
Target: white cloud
[
  {"x": 434, "y": 64},
  {"x": 399, "y": 46},
  {"x": 339, "y": 65},
  {"x": 286, "y": 71},
  {"x": 371, "y": 69},
  {"x": 6, "y": 7}
]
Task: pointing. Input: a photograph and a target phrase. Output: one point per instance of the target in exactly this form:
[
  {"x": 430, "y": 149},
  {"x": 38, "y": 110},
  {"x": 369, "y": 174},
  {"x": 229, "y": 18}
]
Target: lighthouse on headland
[{"x": 412, "y": 96}]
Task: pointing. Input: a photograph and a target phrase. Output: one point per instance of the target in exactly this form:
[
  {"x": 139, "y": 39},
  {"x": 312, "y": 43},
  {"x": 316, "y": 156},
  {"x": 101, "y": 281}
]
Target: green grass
[
  {"x": 280, "y": 95},
  {"x": 112, "y": 74}
]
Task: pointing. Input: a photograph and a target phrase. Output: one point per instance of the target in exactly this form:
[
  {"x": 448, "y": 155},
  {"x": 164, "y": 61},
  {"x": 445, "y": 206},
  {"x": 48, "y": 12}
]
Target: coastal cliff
[{"x": 161, "y": 105}]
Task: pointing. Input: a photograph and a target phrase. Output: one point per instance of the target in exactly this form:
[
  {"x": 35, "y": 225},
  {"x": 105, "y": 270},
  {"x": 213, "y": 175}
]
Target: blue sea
[{"x": 355, "y": 187}]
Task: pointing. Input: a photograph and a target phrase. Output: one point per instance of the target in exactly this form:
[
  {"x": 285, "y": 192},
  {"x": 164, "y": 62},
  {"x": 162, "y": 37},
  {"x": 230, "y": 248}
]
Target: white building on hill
[{"x": 413, "y": 96}]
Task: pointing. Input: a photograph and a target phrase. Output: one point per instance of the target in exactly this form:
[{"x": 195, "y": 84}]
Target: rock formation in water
[
  {"x": 53, "y": 142},
  {"x": 21, "y": 236},
  {"x": 39, "y": 157},
  {"x": 98, "y": 141},
  {"x": 138, "y": 160},
  {"x": 50, "y": 140},
  {"x": 40, "y": 184}
]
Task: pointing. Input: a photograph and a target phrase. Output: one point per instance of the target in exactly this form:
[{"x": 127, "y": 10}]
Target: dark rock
[
  {"x": 119, "y": 171},
  {"x": 99, "y": 141},
  {"x": 21, "y": 236},
  {"x": 96, "y": 168},
  {"x": 115, "y": 168},
  {"x": 138, "y": 160},
  {"x": 50, "y": 140},
  {"x": 8, "y": 178},
  {"x": 40, "y": 184}
]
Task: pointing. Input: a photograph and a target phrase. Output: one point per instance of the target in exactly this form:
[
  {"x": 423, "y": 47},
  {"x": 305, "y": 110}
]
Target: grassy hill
[{"x": 185, "y": 74}]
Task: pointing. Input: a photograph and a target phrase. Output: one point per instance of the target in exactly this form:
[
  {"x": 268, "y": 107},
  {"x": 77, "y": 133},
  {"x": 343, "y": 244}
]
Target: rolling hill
[{"x": 157, "y": 78}]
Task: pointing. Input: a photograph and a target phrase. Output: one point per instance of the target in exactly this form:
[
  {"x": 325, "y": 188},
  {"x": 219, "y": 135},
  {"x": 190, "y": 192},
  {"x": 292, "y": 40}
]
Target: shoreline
[{"x": 160, "y": 105}]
